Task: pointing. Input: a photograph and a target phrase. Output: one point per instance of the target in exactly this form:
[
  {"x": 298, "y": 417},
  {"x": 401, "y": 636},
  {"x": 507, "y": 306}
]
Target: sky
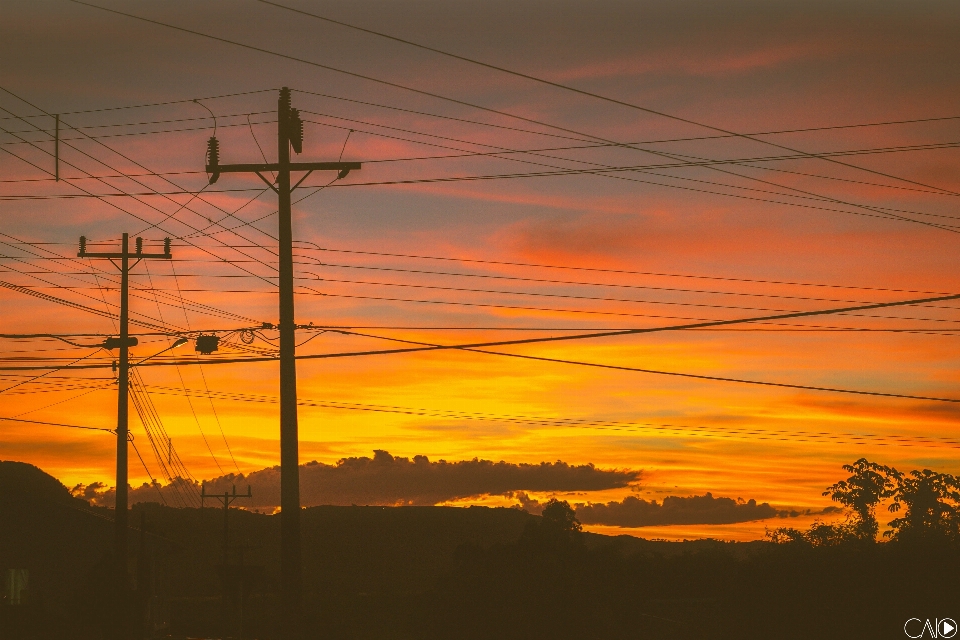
[{"x": 444, "y": 237}]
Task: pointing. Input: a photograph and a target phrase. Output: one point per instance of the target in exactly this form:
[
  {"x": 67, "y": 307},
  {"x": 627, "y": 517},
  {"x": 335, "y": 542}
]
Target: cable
[
  {"x": 677, "y": 374},
  {"x": 141, "y": 201},
  {"x": 59, "y": 424},
  {"x": 605, "y": 171},
  {"x": 579, "y": 336},
  {"x": 590, "y": 423},
  {"x": 204, "y": 377},
  {"x": 464, "y": 103},
  {"x": 182, "y": 382},
  {"x": 153, "y": 481},
  {"x": 96, "y": 351},
  {"x": 154, "y": 104},
  {"x": 616, "y": 271},
  {"x": 580, "y": 283},
  {"x": 584, "y": 93}
]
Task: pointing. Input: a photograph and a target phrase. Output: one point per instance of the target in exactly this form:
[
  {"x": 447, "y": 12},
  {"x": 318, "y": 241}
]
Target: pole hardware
[
  {"x": 114, "y": 343},
  {"x": 207, "y": 344}
]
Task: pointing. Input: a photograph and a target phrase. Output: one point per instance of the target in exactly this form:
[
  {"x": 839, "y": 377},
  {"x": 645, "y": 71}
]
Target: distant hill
[{"x": 441, "y": 572}]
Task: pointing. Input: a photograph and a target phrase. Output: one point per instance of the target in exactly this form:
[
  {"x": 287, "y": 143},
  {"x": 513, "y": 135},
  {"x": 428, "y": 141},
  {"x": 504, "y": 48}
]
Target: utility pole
[
  {"x": 123, "y": 381},
  {"x": 226, "y": 500},
  {"x": 289, "y": 133}
]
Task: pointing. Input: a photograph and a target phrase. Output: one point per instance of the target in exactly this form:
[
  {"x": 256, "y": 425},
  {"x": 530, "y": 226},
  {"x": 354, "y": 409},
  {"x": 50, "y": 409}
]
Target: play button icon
[{"x": 947, "y": 628}]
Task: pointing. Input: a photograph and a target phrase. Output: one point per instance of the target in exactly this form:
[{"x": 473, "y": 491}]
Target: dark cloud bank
[
  {"x": 705, "y": 509},
  {"x": 386, "y": 480},
  {"x": 390, "y": 481}
]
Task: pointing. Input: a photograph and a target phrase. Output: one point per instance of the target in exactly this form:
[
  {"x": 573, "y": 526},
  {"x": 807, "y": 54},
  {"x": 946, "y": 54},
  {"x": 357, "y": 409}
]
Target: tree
[
  {"x": 557, "y": 528},
  {"x": 932, "y": 507},
  {"x": 559, "y": 515},
  {"x": 861, "y": 492}
]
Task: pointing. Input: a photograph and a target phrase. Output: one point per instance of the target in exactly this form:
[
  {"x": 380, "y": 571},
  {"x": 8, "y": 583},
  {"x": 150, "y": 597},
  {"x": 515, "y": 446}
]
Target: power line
[
  {"x": 546, "y": 421},
  {"x": 58, "y": 424},
  {"x": 142, "y": 202},
  {"x": 455, "y": 101},
  {"x": 180, "y": 375},
  {"x": 578, "y": 336},
  {"x": 317, "y": 247},
  {"x": 556, "y": 127},
  {"x": 203, "y": 377},
  {"x": 151, "y": 104},
  {"x": 590, "y": 94},
  {"x": 678, "y": 374},
  {"x": 655, "y": 141}
]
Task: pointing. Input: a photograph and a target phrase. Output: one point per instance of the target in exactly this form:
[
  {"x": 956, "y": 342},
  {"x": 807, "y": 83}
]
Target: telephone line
[
  {"x": 597, "y": 96},
  {"x": 557, "y": 127}
]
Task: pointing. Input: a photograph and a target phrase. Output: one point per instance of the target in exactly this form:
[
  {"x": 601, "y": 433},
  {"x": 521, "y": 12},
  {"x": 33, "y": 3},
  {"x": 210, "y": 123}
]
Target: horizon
[{"x": 449, "y": 258}]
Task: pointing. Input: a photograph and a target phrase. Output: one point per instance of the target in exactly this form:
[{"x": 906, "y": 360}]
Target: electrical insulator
[
  {"x": 284, "y": 99},
  {"x": 139, "y": 245},
  {"x": 83, "y": 246},
  {"x": 296, "y": 130},
  {"x": 213, "y": 158},
  {"x": 166, "y": 246}
]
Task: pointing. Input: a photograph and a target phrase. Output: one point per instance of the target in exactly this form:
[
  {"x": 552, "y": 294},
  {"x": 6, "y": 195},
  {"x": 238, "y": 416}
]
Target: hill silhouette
[{"x": 436, "y": 572}]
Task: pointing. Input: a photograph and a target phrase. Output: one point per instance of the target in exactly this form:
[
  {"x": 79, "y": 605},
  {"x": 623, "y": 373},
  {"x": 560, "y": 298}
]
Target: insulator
[
  {"x": 83, "y": 245},
  {"x": 166, "y": 246},
  {"x": 139, "y": 245},
  {"x": 284, "y": 99},
  {"x": 295, "y": 130},
  {"x": 213, "y": 158}
]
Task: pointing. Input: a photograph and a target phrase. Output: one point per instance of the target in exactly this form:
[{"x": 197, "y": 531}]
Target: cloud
[
  {"x": 390, "y": 481},
  {"x": 705, "y": 509}
]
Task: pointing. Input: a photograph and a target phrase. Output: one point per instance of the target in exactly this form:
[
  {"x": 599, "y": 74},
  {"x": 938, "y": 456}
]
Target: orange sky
[{"x": 752, "y": 68}]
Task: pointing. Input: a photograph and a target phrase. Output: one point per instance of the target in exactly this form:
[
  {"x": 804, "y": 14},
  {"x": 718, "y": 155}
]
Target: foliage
[
  {"x": 932, "y": 503},
  {"x": 820, "y": 534},
  {"x": 861, "y": 492},
  {"x": 557, "y": 528}
]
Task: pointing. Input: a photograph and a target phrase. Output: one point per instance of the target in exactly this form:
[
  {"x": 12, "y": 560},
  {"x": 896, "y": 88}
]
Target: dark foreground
[{"x": 429, "y": 572}]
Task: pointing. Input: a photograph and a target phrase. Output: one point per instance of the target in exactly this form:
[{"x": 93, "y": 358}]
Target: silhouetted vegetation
[
  {"x": 930, "y": 502},
  {"x": 434, "y": 572}
]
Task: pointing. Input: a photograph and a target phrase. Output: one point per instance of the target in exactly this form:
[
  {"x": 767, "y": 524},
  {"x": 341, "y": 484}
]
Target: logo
[{"x": 937, "y": 628}]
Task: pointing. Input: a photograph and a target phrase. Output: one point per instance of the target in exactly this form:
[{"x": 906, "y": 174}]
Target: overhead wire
[
  {"x": 106, "y": 201},
  {"x": 203, "y": 376},
  {"x": 582, "y": 92},
  {"x": 594, "y": 423},
  {"x": 556, "y": 127},
  {"x": 184, "y": 384}
]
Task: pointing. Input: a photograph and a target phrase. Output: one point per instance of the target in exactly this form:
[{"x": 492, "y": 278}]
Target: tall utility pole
[
  {"x": 123, "y": 383},
  {"x": 289, "y": 134}
]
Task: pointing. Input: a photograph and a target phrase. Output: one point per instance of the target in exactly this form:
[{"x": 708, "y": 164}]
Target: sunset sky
[{"x": 444, "y": 238}]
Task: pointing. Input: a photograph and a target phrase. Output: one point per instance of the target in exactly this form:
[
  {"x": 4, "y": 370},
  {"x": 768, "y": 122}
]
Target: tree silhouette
[
  {"x": 932, "y": 506},
  {"x": 559, "y": 515},
  {"x": 861, "y": 492},
  {"x": 557, "y": 528}
]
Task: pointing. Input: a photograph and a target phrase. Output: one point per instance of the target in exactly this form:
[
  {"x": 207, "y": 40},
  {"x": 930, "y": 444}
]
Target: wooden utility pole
[
  {"x": 289, "y": 134},
  {"x": 124, "y": 342},
  {"x": 225, "y": 499}
]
